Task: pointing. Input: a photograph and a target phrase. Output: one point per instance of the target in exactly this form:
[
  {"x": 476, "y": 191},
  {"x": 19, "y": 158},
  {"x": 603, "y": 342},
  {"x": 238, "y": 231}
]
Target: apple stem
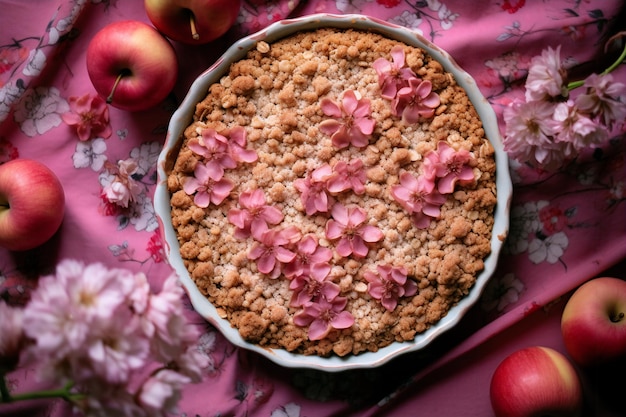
[
  {"x": 117, "y": 81},
  {"x": 616, "y": 318},
  {"x": 192, "y": 24}
]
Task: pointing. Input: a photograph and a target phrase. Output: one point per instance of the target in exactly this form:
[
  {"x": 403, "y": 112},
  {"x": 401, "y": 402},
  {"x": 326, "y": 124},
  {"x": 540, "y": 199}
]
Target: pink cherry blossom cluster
[
  {"x": 122, "y": 188},
  {"x": 551, "y": 128},
  {"x": 411, "y": 97},
  {"x": 116, "y": 347},
  {"x": 424, "y": 195},
  {"x": 319, "y": 187},
  {"x": 89, "y": 115},
  {"x": 209, "y": 185},
  {"x": 388, "y": 284}
]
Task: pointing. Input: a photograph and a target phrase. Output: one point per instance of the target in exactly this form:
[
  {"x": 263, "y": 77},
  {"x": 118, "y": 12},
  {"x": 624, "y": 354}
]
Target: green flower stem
[
  {"x": 64, "y": 393},
  {"x": 4, "y": 390},
  {"x": 618, "y": 61}
]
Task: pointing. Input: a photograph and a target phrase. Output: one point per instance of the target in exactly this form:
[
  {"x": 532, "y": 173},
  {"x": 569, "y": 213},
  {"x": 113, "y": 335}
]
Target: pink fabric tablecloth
[{"x": 566, "y": 227}]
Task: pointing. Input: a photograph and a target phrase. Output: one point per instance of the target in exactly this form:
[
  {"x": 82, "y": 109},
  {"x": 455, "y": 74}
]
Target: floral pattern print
[{"x": 564, "y": 224}]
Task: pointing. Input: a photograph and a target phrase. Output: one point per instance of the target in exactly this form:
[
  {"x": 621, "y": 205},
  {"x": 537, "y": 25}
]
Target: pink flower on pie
[
  {"x": 348, "y": 226},
  {"x": 90, "y": 116},
  {"x": 419, "y": 197},
  {"x": 253, "y": 214},
  {"x": 208, "y": 185},
  {"x": 351, "y": 123},
  {"x": 449, "y": 166},
  {"x": 313, "y": 285},
  {"x": 324, "y": 316},
  {"x": 313, "y": 190},
  {"x": 389, "y": 284},
  {"x": 215, "y": 149},
  {"x": 238, "y": 144},
  {"x": 415, "y": 100},
  {"x": 308, "y": 254},
  {"x": 270, "y": 252},
  {"x": 350, "y": 175},
  {"x": 392, "y": 75}
]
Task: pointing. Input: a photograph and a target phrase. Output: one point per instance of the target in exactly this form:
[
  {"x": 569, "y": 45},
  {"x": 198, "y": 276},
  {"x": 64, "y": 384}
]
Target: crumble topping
[{"x": 281, "y": 108}]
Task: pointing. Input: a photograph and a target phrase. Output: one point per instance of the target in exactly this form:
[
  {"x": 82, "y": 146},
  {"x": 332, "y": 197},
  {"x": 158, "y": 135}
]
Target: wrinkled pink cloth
[{"x": 566, "y": 227}]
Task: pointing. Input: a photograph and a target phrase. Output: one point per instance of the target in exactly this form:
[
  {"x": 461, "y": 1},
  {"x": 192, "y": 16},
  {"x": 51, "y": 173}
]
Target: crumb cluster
[{"x": 275, "y": 94}]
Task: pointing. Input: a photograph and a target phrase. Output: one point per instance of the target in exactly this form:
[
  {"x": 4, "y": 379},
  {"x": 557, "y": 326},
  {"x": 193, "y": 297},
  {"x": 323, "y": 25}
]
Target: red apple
[
  {"x": 32, "y": 204},
  {"x": 594, "y": 322},
  {"x": 193, "y": 21},
  {"x": 132, "y": 65},
  {"x": 536, "y": 381}
]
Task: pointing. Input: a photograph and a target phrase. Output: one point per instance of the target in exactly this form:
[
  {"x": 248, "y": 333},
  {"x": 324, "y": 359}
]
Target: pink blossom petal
[
  {"x": 238, "y": 143},
  {"x": 330, "y": 290},
  {"x": 238, "y": 136},
  {"x": 216, "y": 167},
  {"x": 250, "y": 199},
  {"x": 319, "y": 329},
  {"x": 271, "y": 215},
  {"x": 330, "y": 126},
  {"x": 365, "y": 126},
  {"x": 320, "y": 271},
  {"x": 256, "y": 252},
  {"x": 340, "y": 214},
  {"x": 322, "y": 173},
  {"x": 356, "y": 216},
  {"x": 308, "y": 244},
  {"x": 358, "y": 247},
  {"x": 357, "y": 185},
  {"x": 404, "y": 196},
  {"x": 398, "y": 56},
  {"x": 202, "y": 199},
  {"x": 431, "y": 210},
  {"x": 266, "y": 263},
  {"x": 320, "y": 203},
  {"x": 221, "y": 190},
  {"x": 343, "y": 320},
  {"x": 446, "y": 184},
  {"x": 244, "y": 155},
  {"x": 357, "y": 138},
  {"x": 389, "y": 302},
  {"x": 381, "y": 65},
  {"x": 344, "y": 247},
  {"x": 370, "y": 233},
  {"x": 302, "y": 318},
  {"x": 334, "y": 230},
  {"x": 410, "y": 288},
  {"x": 330, "y": 108},
  {"x": 237, "y": 217},
  {"x": 341, "y": 139},
  {"x": 362, "y": 110},
  {"x": 190, "y": 185},
  {"x": 388, "y": 90},
  {"x": 284, "y": 255},
  {"x": 195, "y": 146},
  {"x": 350, "y": 102}
]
